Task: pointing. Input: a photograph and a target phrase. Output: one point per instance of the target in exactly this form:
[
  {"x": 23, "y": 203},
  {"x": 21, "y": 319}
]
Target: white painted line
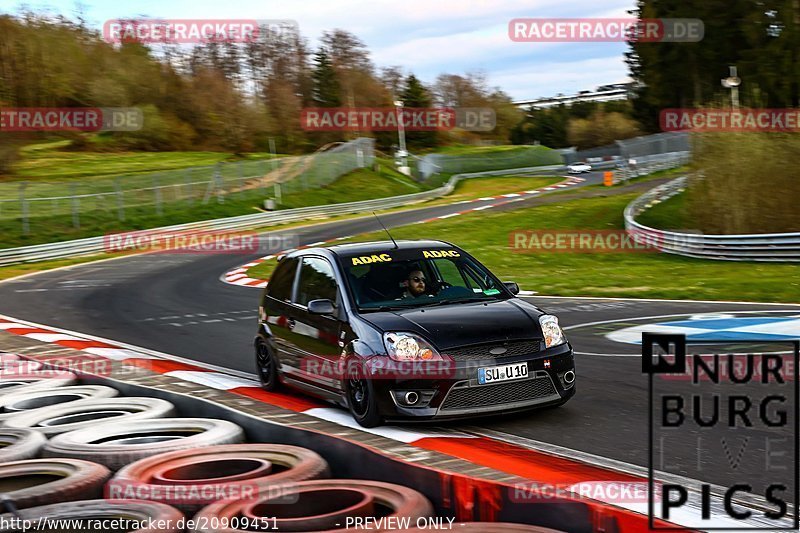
[
  {"x": 511, "y": 195},
  {"x": 343, "y": 418},
  {"x": 117, "y": 354},
  {"x": 482, "y": 208},
  {"x": 12, "y": 325},
  {"x": 663, "y": 300},
  {"x": 632, "y": 319},
  {"x": 139, "y": 350},
  {"x": 215, "y": 380},
  {"x": 52, "y": 337},
  {"x": 532, "y": 192},
  {"x": 450, "y": 215},
  {"x": 688, "y": 516},
  {"x": 486, "y": 198}
]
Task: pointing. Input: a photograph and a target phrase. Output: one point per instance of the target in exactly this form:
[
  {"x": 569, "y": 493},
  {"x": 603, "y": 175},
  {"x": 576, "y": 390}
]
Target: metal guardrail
[
  {"x": 772, "y": 247},
  {"x": 94, "y": 245},
  {"x": 40, "y": 202}
]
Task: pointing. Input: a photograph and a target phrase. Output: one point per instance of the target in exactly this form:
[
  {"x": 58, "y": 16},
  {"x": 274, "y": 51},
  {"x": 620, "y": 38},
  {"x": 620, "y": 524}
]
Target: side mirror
[
  {"x": 512, "y": 286},
  {"x": 321, "y": 307}
]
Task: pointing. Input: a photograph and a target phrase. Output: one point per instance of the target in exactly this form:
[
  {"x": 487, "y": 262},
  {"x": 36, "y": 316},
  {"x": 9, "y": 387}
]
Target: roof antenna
[{"x": 386, "y": 230}]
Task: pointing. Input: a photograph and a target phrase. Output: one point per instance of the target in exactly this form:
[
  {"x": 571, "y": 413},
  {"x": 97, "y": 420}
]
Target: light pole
[
  {"x": 402, "y": 153},
  {"x": 732, "y": 82}
]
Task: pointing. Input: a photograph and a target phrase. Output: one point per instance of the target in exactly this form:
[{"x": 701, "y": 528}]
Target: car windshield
[{"x": 401, "y": 279}]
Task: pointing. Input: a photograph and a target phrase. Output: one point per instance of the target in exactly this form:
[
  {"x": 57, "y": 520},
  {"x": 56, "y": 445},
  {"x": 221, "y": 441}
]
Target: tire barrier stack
[{"x": 73, "y": 452}]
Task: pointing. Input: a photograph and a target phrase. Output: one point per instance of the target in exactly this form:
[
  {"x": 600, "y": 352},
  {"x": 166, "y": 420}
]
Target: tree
[
  {"x": 415, "y": 95},
  {"x": 326, "y": 89}
]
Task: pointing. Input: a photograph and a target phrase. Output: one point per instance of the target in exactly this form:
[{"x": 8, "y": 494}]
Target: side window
[
  {"x": 317, "y": 281},
  {"x": 280, "y": 284}
]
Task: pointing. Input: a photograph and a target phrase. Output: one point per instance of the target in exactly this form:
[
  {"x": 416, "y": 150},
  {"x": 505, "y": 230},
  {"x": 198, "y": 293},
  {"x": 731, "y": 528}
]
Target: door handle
[{"x": 290, "y": 323}]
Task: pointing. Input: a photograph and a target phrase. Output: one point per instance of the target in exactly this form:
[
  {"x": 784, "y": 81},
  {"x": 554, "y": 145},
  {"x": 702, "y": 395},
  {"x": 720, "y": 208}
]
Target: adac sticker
[
  {"x": 439, "y": 253},
  {"x": 369, "y": 259}
]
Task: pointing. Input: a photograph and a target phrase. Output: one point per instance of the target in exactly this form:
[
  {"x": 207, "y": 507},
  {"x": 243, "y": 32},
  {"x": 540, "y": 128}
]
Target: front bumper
[{"x": 453, "y": 391}]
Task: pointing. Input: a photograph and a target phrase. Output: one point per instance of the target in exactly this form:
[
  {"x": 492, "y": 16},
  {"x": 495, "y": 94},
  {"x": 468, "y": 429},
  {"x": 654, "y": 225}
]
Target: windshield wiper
[
  {"x": 383, "y": 308},
  {"x": 456, "y": 301}
]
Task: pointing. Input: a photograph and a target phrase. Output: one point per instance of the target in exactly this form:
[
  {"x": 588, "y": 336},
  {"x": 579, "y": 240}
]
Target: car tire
[
  {"x": 360, "y": 395},
  {"x": 20, "y": 444},
  {"x": 134, "y": 408},
  {"x": 105, "y": 444},
  {"x": 227, "y": 469},
  {"x": 266, "y": 366},
  {"x": 13, "y": 383},
  {"x": 46, "y": 481},
  {"x": 143, "y": 512},
  {"x": 321, "y": 505},
  {"x": 14, "y": 404}
]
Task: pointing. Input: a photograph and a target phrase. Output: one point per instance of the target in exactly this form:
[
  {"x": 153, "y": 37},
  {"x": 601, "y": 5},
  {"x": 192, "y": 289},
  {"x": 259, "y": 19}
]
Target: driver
[{"x": 414, "y": 284}]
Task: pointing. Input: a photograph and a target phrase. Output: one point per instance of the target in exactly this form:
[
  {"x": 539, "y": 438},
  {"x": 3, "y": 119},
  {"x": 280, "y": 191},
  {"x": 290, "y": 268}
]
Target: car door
[
  {"x": 280, "y": 314},
  {"x": 317, "y": 336}
]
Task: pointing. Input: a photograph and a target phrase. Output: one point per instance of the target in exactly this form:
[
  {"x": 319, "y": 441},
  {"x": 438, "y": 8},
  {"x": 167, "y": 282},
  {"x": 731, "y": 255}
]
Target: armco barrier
[
  {"x": 772, "y": 247},
  {"x": 94, "y": 245}
]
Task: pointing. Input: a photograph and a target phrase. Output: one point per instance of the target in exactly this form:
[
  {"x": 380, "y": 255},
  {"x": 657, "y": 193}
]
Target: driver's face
[{"x": 416, "y": 283}]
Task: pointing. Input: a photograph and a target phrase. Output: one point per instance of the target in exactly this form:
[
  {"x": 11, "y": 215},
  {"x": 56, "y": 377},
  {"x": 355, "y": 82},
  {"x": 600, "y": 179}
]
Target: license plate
[{"x": 494, "y": 374}]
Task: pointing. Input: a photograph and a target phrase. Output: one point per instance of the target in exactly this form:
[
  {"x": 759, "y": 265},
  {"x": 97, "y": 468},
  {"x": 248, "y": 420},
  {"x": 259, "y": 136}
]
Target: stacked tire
[{"x": 82, "y": 452}]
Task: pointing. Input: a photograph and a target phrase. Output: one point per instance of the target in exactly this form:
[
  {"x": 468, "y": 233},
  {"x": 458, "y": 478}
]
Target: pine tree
[
  {"x": 326, "y": 89},
  {"x": 415, "y": 95}
]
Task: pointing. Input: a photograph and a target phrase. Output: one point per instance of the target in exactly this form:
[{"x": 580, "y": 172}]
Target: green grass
[
  {"x": 362, "y": 184},
  {"x": 636, "y": 275},
  {"x": 670, "y": 214},
  {"x": 101, "y": 215},
  {"x": 47, "y": 161},
  {"x": 13, "y": 271},
  {"x": 470, "y": 189},
  {"x": 466, "y": 149},
  {"x": 458, "y": 159}
]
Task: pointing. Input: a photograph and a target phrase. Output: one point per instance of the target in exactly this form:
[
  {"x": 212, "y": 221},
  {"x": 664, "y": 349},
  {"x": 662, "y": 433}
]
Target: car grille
[
  {"x": 478, "y": 352},
  {"x": 489, "y": 395}
]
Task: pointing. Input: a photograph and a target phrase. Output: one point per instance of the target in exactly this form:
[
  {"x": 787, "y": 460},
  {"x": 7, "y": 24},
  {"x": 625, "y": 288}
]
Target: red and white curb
[
  {"x": 599, "y": 483},
  {"x": 239, "y": 275}
]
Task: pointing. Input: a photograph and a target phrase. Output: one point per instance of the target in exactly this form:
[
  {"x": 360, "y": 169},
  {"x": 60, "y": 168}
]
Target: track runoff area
[{"x": 713, "y": 433}]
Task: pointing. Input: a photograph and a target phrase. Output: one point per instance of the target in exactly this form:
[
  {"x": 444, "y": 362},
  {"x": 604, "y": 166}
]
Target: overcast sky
[{"x": 428, "y": 37}]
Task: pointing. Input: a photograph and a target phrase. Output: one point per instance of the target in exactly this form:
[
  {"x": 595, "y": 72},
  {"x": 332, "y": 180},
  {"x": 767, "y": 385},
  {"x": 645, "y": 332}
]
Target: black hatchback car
[{"x": 413, "y": 330}]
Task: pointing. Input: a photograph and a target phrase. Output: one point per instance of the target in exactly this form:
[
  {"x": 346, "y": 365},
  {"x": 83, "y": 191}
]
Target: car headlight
[
  {"x": 409, "y": 347},
  {"x": 553, "y": 335}
]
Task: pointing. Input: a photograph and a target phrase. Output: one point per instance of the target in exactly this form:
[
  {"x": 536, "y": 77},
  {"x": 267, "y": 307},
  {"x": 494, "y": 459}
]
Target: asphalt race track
[{"x": 176, "y": 304}]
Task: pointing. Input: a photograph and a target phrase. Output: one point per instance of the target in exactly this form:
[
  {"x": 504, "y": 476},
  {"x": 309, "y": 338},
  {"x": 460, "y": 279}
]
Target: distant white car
[{"x": 579, "y": 167}]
